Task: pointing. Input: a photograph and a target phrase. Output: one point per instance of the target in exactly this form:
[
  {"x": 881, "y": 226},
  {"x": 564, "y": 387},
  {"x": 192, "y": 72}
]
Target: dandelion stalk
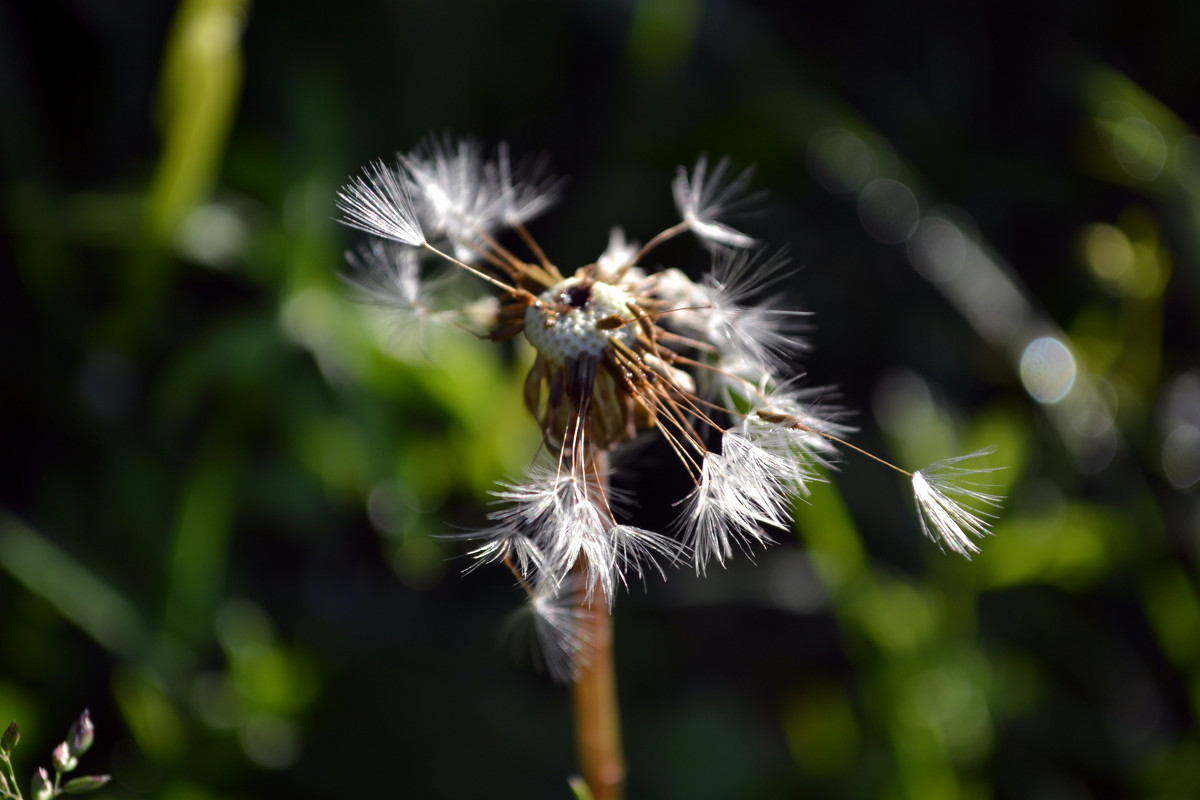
[
  {"x": 594, "y": 692},
  {"x": 597, "y": 721},
  {"x": 706, "y": 364}
]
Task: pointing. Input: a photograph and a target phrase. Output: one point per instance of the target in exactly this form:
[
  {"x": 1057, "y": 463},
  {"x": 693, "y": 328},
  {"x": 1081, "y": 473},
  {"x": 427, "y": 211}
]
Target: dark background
[{"x": 220, "y": 485}]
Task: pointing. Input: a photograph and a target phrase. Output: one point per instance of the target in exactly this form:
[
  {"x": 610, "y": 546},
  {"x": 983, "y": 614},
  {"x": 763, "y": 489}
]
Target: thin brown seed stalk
[
  {"x": 796, "y": 425},
  {"x": 530, "y": 271},
  {"x": 856, "y": 449},
  {"x": 594, "y": 693},
  {"x": 511, "y": 291},
  {"x": 536, "y": 249},
  {"x": 662, "y": 236}
]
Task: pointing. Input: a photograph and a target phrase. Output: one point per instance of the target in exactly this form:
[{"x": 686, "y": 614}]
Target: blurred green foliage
[{"x": 222, "y": 481}]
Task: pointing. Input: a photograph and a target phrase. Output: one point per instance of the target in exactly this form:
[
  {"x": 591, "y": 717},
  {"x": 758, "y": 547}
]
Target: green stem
[{"x": 14, "y": 789}]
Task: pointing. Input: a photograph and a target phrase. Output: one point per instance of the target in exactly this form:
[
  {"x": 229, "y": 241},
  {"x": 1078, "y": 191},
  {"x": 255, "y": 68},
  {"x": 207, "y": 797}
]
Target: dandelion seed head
[
  {"x": 388, "y": 274},
  {"x": 566, "y": 325},
  {"x": 798, "y": 420},
  {"x": 675, "y": 375},
  {"x": 622, "y": 349}
]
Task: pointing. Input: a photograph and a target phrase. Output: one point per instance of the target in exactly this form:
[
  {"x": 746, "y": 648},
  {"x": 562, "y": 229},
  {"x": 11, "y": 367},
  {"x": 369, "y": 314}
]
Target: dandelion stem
[{"x": 594, "y": 693}]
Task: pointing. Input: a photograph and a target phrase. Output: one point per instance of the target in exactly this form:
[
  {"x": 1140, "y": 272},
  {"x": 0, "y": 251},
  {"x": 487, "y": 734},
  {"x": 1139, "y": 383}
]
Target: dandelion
[{"x": 620, "y": 350}]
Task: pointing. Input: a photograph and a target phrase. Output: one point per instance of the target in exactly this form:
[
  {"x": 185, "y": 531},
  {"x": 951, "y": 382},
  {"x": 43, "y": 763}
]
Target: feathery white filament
[
  {"x": 529, "y": 191},
  {"x": 792, "y": 423},
  {"x": 759, "y": 332},
  {"x": 381, "y": 205},
  {"x": 506, "y": 542},
  {"x": 941, "y": 491},
  {"x": 638, "y": 551},
  {"x": 453, "y": 192},
  {"x": 559, "y": 627},
  {"x": 617, "y": 257},
  {"x": 740, "y": 489},
  {"x": 388, "y": 274},
  {"x": 702, "y": 198}
]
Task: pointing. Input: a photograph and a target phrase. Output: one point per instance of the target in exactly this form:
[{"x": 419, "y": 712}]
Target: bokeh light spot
[
  {"x": 1108, "y": 251},
  {"x": 1093, "y": 454},
  {"x": 888, "y": 210},
  {"x": 793, "y": 583},
  {"x": 391, "y": 507},
  {"x": 243, "y": 627},
  {"x": 1139, "y": 147},
  {"x": 840, "y": 161},
  {"x": 1186, "y": 164},
  {"x": 270, "y": 741},
  {"x": 213, "y": 235},
  {"x": 1181, "y": 457},
  {"x": 938, "y": 250},
  {"x": 1047, "y": 369},
  {"x": 1097, "y": 409},
  {"x": 310, "y": 316},
  {"x": 1146, "y": 278}
]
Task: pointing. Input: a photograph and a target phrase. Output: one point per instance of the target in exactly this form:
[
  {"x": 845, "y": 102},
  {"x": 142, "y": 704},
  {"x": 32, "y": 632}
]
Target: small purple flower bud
[
  {"x": 85, "y": 784},
  {"x": 82, "y": 732},
  {"x": 62, "y": 758},
  {"x": 10, "y": 737},
  {"x": 43, "y": 789}
]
